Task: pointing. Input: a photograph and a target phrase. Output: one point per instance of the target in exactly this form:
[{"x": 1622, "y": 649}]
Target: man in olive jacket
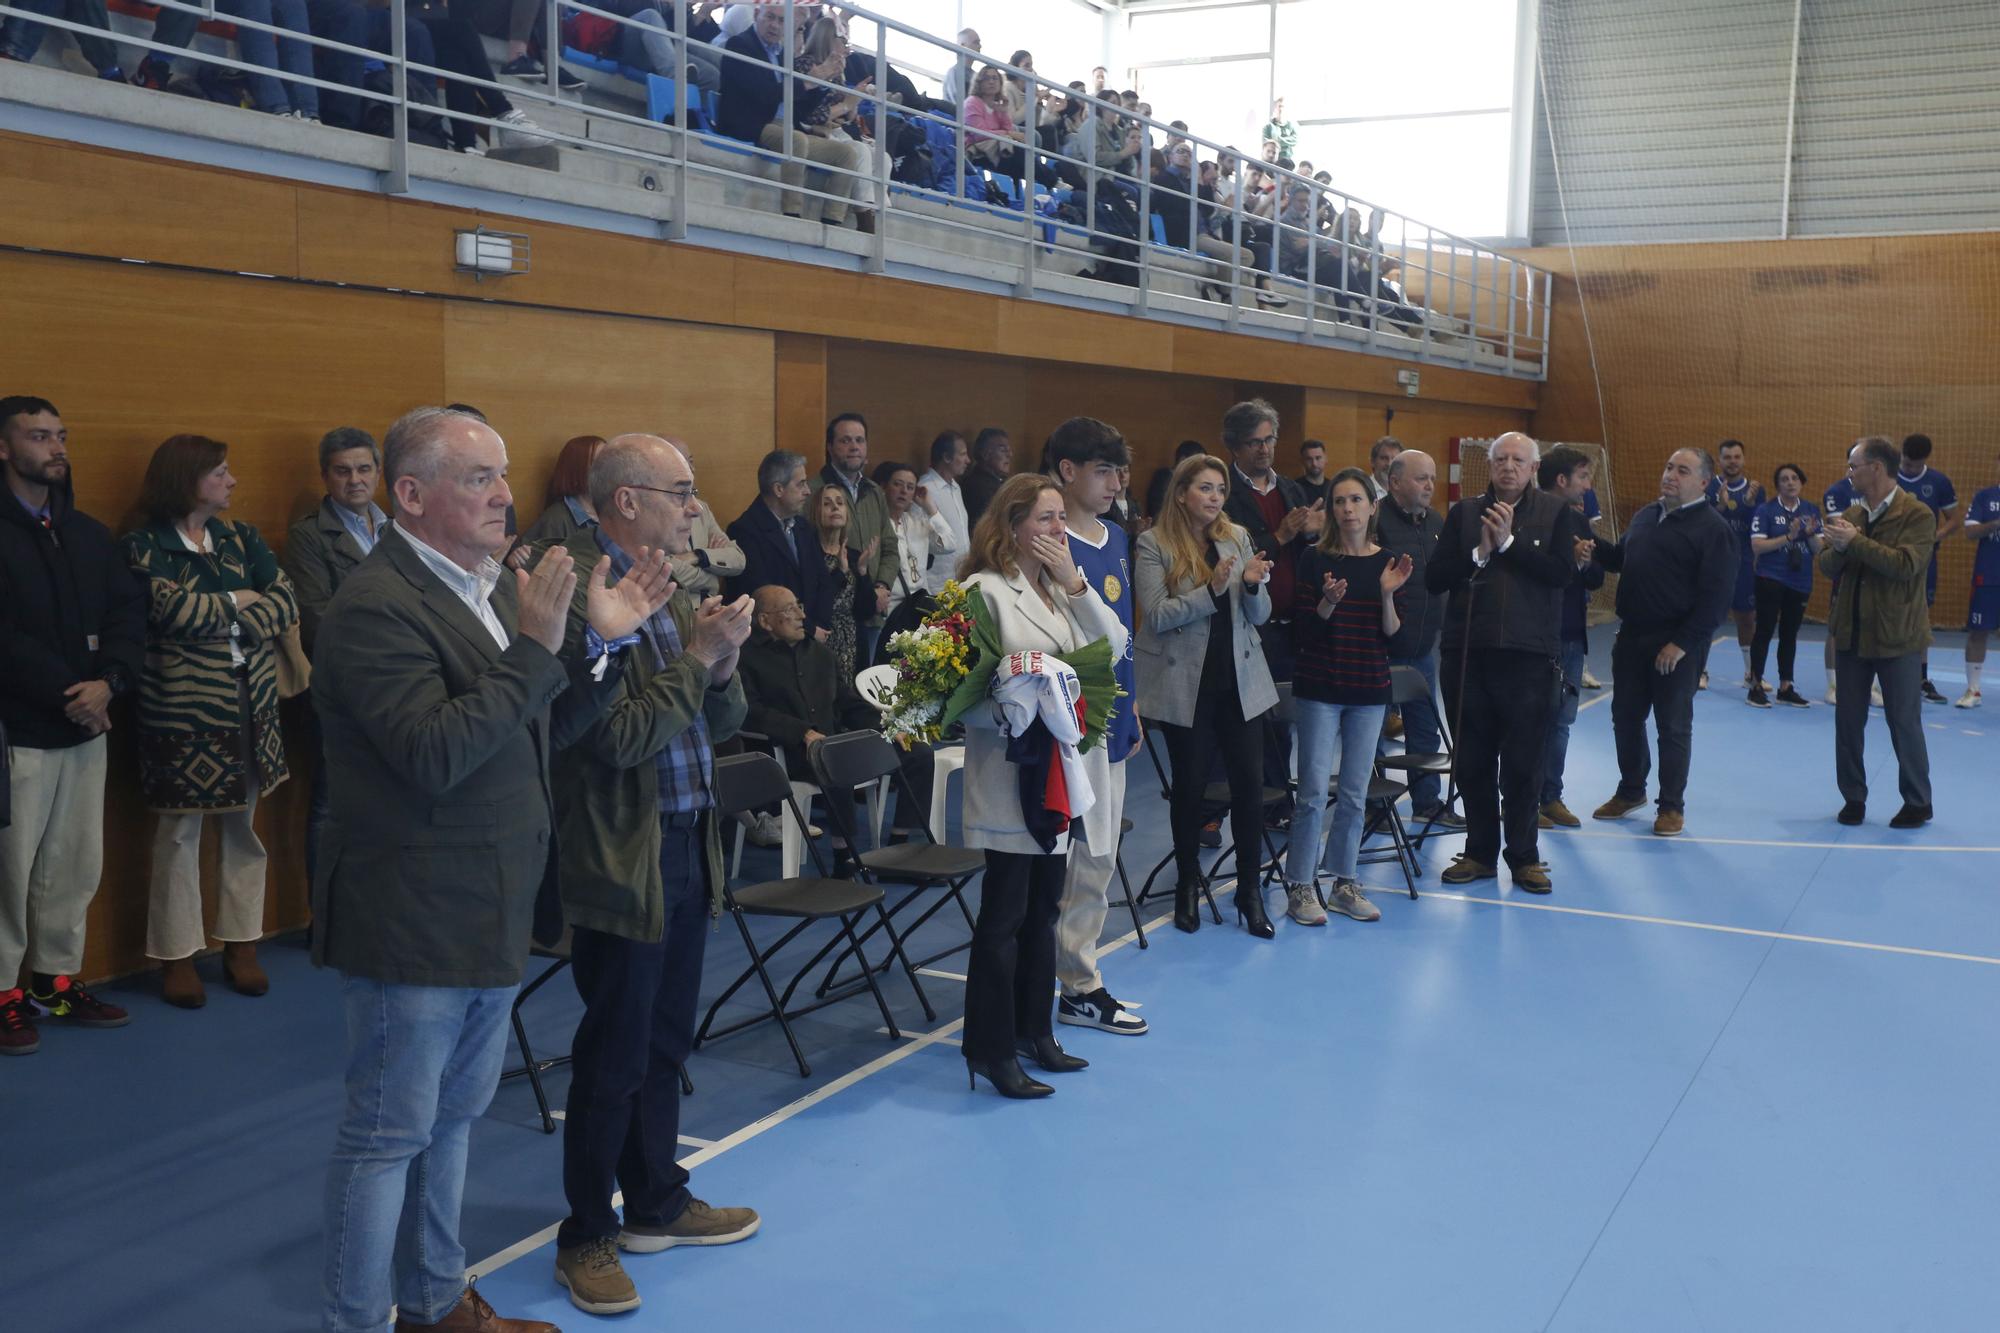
[
  {"x": 640, "y": 873},
  {"x": 1880, "y": 551},
  {"x": 441, "y": 694}
]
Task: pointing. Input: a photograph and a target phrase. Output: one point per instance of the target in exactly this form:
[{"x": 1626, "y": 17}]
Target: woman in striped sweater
[
  {"x": 209, "y": 743},
  {"x": 1343, "y": 616}
]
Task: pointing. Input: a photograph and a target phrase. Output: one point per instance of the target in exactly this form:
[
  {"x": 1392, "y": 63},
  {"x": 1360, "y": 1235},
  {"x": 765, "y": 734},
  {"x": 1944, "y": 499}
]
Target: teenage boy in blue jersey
[
  {"x": 1982, "y": 529},
  {"x": 1784, "y": 536},
  {"x": 1934, "y": 488},
  {"x": 1736, "y": 498},
  {"x": 1086, "y": 458},
  {"x": 1838, "y": 497}
]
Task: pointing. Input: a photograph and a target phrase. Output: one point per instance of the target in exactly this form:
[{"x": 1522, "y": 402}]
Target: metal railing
[{"x": 1262, "y": 248}]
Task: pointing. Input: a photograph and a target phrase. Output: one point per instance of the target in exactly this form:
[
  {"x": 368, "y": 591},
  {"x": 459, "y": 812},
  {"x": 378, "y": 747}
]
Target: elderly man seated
[{"x": 797, "y": 695}]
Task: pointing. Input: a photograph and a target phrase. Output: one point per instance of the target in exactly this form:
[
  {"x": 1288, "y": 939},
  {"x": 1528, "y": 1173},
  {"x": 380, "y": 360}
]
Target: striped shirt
[
  {"x": 686, "y": 763},
  {"x": 1343, "y": 659}
]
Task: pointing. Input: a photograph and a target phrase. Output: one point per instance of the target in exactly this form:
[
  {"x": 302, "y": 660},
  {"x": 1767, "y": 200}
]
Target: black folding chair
[
  {"x": 1378, "y": 805},
  {"x": 857, "y": 758},
  {"x": 532, "y": 1068},
  {"x": 747, "y": 782},
  {"x": 1407, "y": 685},
  {"x": 1215, "y": 803},
  {"x": 1130, "y": 902}
]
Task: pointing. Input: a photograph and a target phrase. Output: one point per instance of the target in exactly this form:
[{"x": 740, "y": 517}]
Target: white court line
[
  {"x": 942, "y": 1036},
  {"x": 934, "y": 972},
  {"x": 1773, "y": 842},
  {"x": 1906, "y": 949}
]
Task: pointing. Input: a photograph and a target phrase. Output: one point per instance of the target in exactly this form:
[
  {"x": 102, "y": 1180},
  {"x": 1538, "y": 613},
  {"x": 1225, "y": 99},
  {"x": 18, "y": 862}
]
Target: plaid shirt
[{"x": 687, "y": 764}]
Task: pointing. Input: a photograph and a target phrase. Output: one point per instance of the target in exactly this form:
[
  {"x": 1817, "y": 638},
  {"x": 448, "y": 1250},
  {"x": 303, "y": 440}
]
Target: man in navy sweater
[{"x": 1678, "y": 564}]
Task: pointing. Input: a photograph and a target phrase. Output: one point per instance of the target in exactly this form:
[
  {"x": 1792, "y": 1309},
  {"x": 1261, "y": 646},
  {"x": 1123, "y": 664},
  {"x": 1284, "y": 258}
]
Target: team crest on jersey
[{"x": 1113, "y": 589}]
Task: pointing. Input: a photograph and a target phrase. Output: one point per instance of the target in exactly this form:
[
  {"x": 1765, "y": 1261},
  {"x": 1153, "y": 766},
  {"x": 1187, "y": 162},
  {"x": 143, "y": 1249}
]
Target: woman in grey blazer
[
  {"x": 1036, "y": 600},
  {"x": 1202, "y": 673}
]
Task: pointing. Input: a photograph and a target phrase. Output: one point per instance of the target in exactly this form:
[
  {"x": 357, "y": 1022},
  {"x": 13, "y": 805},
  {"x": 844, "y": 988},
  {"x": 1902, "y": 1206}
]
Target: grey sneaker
[
  {"x": 596, "y": 1280},
  {"x": 1302, "y": 905},
  {"x": 698, "y": 1224},
  {"x": 764, "y": 831},
  {"x": 1347, "y": 899}
]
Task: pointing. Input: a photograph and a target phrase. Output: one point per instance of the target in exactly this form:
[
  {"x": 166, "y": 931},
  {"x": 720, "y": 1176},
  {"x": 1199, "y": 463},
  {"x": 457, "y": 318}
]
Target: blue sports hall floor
[{"x": 1745, "y": 1079}]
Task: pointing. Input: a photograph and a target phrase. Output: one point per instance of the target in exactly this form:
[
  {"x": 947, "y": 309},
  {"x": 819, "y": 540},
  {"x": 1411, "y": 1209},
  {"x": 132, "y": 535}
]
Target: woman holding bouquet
[
  {"x": 1031, "y": 598},
  {"x": 1202, "y": 673}
]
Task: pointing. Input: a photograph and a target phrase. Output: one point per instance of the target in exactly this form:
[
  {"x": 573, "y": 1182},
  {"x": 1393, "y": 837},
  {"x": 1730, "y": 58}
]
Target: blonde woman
[
  {"x": 1037, "y": 600},
  {"x": 1202, "y": 673}
]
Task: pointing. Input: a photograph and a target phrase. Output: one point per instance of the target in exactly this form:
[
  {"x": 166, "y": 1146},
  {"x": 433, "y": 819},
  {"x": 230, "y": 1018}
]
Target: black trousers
[
  {"x": 1219, "y": 729},
  {"x": 1500, "y": 702},
  {"x": 1010, "y": 980},
  {"x": 1638, "y": 689},
  {"x": 1782, "y": 609},
  {"x": 623, "y": 1123}
]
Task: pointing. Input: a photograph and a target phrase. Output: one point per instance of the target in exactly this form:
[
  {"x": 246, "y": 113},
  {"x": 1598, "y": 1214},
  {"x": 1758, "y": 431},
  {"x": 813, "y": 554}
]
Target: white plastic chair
[{"x": 875, "y": 685}]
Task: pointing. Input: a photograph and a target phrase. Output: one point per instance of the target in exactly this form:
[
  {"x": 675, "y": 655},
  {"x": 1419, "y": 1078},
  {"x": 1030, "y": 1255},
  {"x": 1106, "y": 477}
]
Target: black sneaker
[
  {"x": 1931, "y": 695},
  {"x": 1759, "y": 699},
  {"x": 1788, "y": 695},
  {"x": 1440, "y": 816},
  {"x": 17, "y": 1024},
  {"x": 1098, "y": 1010},
  {"x": 68, "y": 1000},
  {"x": 524, "y": 66}
]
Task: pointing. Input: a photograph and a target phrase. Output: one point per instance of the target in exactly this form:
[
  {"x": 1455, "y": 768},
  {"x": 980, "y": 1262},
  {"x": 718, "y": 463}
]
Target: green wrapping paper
[{"x": 1092, "y": 663}]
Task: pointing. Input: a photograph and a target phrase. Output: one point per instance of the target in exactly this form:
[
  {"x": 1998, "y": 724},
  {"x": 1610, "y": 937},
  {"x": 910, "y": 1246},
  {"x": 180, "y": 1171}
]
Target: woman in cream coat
[
  {"x": 1202, "y": 674},
  {"x": 1037, "y": 600}
]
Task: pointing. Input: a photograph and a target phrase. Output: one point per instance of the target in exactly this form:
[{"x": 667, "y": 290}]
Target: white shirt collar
[
  {"x": 1272, "y": 477},
  {"x": 474, "y": 587}
]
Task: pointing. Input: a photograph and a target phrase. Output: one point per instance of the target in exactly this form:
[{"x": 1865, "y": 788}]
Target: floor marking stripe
[
  {"x": 1906, "y": 949},
  {"x": 1773, "y": 842},
  {"x": 934, "y": 972},
  {"x": 945, "y": 1035}
]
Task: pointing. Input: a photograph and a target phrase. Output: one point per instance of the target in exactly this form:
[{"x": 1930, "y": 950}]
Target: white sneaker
[
  {"x": 1970, "y": 699},
  {"x": 1591, "y": 682},
  {"x": 1702, "y": 684},
  {"x": 1875, "y": 695},
  {"x": 765, "y": 831},
  {"x": 521, "y": 132},
  {"x": 1832, "y": 695},
  {"x": 1302, "y": 905}
]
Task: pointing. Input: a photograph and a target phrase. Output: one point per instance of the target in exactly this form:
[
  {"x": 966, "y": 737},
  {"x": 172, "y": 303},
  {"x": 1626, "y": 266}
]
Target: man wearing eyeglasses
[
  {"x": 640, "y": 867},
  {"x": 1880, "y": 549}
]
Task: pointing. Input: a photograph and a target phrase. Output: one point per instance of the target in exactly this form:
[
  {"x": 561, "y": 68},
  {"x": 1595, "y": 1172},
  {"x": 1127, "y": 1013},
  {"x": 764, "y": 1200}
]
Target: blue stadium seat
[
  {"x": 1159, "y": 230},
  {"x": 664, "y": 96}
]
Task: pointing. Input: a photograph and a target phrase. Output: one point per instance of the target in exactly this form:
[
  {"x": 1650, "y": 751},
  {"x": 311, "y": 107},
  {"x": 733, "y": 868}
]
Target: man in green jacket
[
  {"x": 869, "y": 520},
  {"x": 639, "y": 872},
  {"x": 1880, "y": 549}
]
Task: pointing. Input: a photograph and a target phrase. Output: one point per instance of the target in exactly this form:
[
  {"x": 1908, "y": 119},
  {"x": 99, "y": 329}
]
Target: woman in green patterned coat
[{"x": 209, "y": 743}]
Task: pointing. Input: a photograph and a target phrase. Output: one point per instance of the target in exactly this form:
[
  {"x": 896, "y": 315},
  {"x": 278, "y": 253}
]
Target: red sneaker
[
  {"x": 17, "y": 1025},
  {"x": 68, "y": 999}
]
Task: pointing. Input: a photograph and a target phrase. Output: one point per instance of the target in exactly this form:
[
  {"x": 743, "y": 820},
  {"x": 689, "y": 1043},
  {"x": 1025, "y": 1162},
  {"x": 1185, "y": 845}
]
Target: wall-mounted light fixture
[{"x": 485, "y": 254}]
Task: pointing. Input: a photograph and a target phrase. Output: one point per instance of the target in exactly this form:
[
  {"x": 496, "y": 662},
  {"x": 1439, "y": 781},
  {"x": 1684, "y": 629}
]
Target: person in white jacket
[
  {"x": 921, "y": 530},
  {"x": 1036, "y": 600}
]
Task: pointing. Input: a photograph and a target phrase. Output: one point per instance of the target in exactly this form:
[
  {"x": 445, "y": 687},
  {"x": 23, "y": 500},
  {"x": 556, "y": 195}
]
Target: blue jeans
[
  {"x": 422, "y": 1063},
  {"x": 1558, "y": 747},
  {"x": 1353, "y": 729},
  {"x": 261, "y": 48},
  {"x": 1420, "y": 731},
  {"x": 24, "y": 38}
]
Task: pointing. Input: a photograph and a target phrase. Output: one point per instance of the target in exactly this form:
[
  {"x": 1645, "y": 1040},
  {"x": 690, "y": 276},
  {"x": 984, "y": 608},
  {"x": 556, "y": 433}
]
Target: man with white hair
[
  {"x": 958, "y": 79},
  {"x": 441, "y": 691},
  {"x": 1677, "y": 564},
  {"x": 1504, "y": 556},
  {"x": 641, "y": 868}
]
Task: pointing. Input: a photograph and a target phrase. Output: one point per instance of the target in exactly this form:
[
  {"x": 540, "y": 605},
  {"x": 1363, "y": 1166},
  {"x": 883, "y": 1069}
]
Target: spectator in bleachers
[
  {"x": 279, "y": 97},
  {"x": 651, "y": 47},
  {"x": 779, "y": 545},
  {"x": 566, "y": 502},
  {"x": 833, "y": 520},
  {"x": 992, "y": 464},
  {"x": 72, "y": 642},
  {"x": 209, "y": 741},
  {"x": 711, "y": 556},
  {"x": 949, "y": 460},
  {"x": 871, "y": 530},
  {"x": 992, "y": 137},
  {"x": 817, "y": 109},
  {"x": 1177, "y": 136},
  {"x": 1019, "y": 65},
  {"x": 1171, "y": 185},
  {"x": 1280, "y": 131},
  {"x": 321, "y": 550},
  {"x": 923, "y": 533},
  {"x": 751, "y": 101},
  {"x": 524, "y": 23},
  {"x": 348, "y": 22},
  {"x": 958, "y": 79},
  {"x": 22, "y": 38}
]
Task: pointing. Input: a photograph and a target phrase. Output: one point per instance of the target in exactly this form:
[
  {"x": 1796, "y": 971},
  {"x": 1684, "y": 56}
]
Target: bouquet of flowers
[{"x": 945, "y": 666}]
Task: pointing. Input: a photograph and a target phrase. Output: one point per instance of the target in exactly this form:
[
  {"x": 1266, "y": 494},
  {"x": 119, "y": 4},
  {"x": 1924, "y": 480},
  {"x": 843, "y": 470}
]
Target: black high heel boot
[
  {"x": 1049, "y": 1054},
  {"x": 1250, "y": 913},
  {"x": 1006, "y": 1078},
  {"x": 1187, "y": 907}
]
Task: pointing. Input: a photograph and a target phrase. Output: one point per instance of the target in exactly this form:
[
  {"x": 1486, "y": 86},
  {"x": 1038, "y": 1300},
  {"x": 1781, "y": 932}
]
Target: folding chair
[
  {"x": 1379, "y": 811},
  {"x": 1130, "y": 902},
  {"x": 1408, "y": 685},
  {"x": 746, "y": 782},
  {"x": 1215, "y": 803},
  {"x": 531, "y": 1068},
  {"x": 851, "y": 759}
]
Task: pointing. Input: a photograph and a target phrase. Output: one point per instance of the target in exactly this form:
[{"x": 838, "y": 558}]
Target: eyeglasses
[
  {"x": 1262, "y": 439},
  {"x": 683, "y": 496}
]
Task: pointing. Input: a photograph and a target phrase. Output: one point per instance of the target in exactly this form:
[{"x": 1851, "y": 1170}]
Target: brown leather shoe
[
  {"x": 180, "y": 984},
  {"x": 1617, "y": 807},
  {"x": 473, "y": 1315},
  {"x": 1669, "y": 823},
  {"x": 1534, "y": 877},
  {"x": 240, "y": 967},
  {"x": 1464, "y": 870},
  {"x": 1557, "y": 815}
]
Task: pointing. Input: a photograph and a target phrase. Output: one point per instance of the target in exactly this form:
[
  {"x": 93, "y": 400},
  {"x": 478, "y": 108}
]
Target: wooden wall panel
[
  {"x": 909, "y": 395},
  {"x": 801, "y": 390}
]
